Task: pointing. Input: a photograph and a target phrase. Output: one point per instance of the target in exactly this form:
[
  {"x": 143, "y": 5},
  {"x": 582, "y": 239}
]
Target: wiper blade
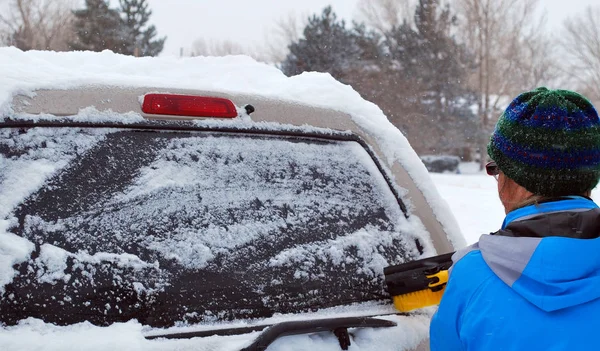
[
  {"x": 212, "y": 332},
  {"x": 339, "y": 326}
]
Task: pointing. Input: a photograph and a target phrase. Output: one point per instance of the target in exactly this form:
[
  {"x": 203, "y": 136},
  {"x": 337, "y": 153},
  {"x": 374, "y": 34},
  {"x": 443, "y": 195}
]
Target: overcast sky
[{"x": 248, "y": 21}]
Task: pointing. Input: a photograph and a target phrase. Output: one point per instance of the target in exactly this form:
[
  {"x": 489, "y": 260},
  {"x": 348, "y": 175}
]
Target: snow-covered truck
[{"x": 203, "y": 204}]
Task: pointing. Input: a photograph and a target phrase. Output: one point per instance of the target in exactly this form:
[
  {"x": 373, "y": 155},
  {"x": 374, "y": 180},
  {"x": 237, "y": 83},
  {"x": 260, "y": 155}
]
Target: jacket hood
[{"x": 549, "y": 253}]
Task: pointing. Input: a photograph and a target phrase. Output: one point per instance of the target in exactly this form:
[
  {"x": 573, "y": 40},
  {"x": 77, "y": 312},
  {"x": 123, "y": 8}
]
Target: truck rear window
[{"x": 170, "y": 227}]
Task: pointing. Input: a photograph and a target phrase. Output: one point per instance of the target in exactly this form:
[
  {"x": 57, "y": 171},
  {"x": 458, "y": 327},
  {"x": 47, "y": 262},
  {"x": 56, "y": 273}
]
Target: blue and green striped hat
[{"x": 548, "y": 141}]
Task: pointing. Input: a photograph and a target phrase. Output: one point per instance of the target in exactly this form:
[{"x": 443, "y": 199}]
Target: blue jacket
[{"x": 534, "y": 285}]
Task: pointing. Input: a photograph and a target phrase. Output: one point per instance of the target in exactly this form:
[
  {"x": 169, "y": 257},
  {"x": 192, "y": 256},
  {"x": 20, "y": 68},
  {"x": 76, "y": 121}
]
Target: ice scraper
[{"x": 418, "y": 284}]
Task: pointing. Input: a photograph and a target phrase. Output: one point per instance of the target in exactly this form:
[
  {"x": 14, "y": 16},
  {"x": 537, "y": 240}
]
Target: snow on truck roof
[{"x": 23, "y": 73}]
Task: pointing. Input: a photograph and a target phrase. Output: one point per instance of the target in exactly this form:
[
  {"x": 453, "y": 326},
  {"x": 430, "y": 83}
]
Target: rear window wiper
[{"x": 338, "y": 326}]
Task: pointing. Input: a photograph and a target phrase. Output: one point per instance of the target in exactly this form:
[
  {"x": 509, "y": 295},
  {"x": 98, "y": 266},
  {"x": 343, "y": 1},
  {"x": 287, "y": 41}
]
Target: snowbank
[
  {"x": 24, "y": 72},
  {"x": 473, "y": 199}
]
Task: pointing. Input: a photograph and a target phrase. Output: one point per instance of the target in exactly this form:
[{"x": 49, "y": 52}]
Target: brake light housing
[{"x": 188, "y": 106}]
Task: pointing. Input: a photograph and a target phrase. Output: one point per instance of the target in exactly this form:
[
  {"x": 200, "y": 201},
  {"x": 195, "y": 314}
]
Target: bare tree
[
  {"x": 537, "y": 63},
  {"x": 384, "y": 15},
  {"x": 581, "y": 42},
  {"x": 203, "y": 47},
  {"x": 504, "y": 36},
  {"x": 285, "y": 31},
  {"x": 38, "y": 24}
]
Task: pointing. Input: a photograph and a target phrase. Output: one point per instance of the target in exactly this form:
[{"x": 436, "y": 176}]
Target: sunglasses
[{"x": 492, "y": 169}]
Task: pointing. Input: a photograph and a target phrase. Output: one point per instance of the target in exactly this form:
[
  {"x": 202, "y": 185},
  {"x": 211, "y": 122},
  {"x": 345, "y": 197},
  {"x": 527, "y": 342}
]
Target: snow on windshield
[
  {"x": 237, "y": 190},
  {"x": 305, "y": 180},
  {"x": 158, "y": 213}
]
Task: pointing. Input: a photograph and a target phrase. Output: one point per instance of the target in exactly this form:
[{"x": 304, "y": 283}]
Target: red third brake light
[{"x": 188, "y": 105}]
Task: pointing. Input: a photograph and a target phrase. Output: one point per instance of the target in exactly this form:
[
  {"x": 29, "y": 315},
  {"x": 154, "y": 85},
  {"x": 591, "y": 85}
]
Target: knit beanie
[{"x": 548, "y": 141}]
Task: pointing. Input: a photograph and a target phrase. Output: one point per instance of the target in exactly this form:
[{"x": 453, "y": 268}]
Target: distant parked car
[
  {"x": 230, "y": 218},
  {"x": 441, "y": 163}
]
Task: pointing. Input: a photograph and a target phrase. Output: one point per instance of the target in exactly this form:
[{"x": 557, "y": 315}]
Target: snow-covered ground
[{"x": 473, "y": 198}]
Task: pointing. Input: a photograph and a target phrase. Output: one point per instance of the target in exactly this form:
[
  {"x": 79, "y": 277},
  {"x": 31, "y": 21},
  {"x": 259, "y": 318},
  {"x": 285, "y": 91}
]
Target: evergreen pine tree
[
  {"x": 436, "y": 66},
  {"x": 140, "y": 39},
  {"x": 431, "y": 58},
  {"x": 328, "y": 46},
  {"x": 98, "y": 27}
]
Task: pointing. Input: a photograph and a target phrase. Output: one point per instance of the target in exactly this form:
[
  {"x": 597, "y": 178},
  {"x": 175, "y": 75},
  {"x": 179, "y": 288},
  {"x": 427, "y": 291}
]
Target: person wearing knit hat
[{"x": 535, "y": 283}]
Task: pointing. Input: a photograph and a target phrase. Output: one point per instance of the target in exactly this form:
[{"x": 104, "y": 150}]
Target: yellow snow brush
[{"x": 418, "y": 284}]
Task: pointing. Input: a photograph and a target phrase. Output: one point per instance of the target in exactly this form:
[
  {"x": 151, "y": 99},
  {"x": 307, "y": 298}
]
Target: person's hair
[{"x": 533, "y": 200}]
